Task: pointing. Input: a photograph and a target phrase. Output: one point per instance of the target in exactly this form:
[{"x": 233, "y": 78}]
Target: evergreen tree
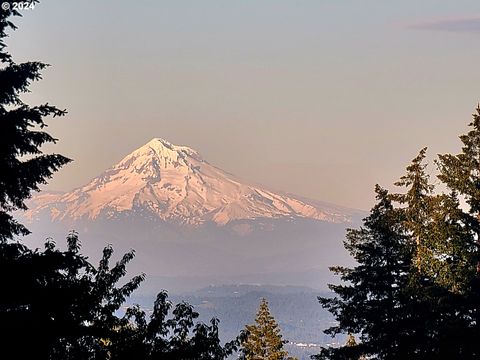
[
  {"x": 459, "y": 265},
  {"x": 23, "y": 166},
  {"x": 430, "y": 229},
  {"x": 372, "y": 301},
  {"x": 433, "y": 297},
  {"x": 461, "y": 173},
  {"x": 352, "y": 343},
  {"x": 56, "y": 304},
  {"x": 418, "y": 202},
  {"x": 435, "y": 224},
  {"x": 263, "y": 340}
]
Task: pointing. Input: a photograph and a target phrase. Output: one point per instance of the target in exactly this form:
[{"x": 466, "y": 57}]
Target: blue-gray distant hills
[
  {"x": 193, "y": 224},
  {"x": 296, "y": 309}
]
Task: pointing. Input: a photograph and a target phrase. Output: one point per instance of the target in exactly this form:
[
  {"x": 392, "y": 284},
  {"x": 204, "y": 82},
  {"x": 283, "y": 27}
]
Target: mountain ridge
[
  {"x": 192, "y": 224},
  {"x": 175, "y": 184}
]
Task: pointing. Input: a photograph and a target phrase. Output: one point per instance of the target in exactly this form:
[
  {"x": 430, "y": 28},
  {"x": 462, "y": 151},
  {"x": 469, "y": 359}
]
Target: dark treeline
[
  {"x": 55, "y": 304},
  {"x": 415, "y": 293}
]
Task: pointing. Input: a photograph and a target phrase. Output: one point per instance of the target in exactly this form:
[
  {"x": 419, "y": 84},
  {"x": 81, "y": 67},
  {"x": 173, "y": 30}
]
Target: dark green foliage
[
  {"x": 372, "y": 302},
  {"x": 263, "y": 340},
  {"x": 417, "y": 202},
  {"x": 65, "y": 308},
  {"x": 296, "y": 310},
  {"x": 461, "y": 174},
  {"x": 461, "y": 235},
  {"x": 352, "y": 344},
  {"x": 441, "y": 263},
  {"x": 23, "y": 166},
  {"x": 418, "y": 266},
  {"x": 57, "y": 302},
  {"x": 425, "y": 218},
  {"x": 167, "y": 335},
  {"x": 54, "y": 304}
]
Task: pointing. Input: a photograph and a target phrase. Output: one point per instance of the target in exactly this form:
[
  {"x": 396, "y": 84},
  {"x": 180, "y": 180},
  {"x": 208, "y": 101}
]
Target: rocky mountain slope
[
  {"x": 175, "y": 184},
  {"x": 193, "y": 224}
]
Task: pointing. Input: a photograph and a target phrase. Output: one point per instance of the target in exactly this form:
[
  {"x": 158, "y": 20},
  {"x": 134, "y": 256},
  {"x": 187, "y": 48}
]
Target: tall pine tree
[
  {"x": 263, "y": 340},
  {"x": 372, "y": 301},
  {"x": 352, "y": 343},
  {"x": 418, "y": 266},
  {"x": 429, "y": 301},
  {"x": 461, "y": 173},
  {"x": 55, "y": 304},
  {"x": 23, "y": 166},
  {"x": 459, "y": 267},
  {"x": 417, "y": 202}
]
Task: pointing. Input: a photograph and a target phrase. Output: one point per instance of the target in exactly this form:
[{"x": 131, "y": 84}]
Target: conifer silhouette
[{"x": 263, "y": 339}]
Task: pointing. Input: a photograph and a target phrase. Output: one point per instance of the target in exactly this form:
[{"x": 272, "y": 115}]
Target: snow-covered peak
[
  {"x": 175, "y": 184},
  {"x": 161, "y": 141},
  {"x": 162, "y": 149},
  {"x": 160, "y": 145}
]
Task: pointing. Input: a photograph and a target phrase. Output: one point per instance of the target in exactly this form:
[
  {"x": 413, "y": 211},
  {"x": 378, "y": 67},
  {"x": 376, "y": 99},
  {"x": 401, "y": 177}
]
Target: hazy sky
[{"x": 319, "y": 98}]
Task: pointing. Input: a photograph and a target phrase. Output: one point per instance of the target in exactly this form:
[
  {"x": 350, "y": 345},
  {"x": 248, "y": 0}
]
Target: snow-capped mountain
[
  {"x": 175, "y": 184},
  {"x": 193, "y": 224}
]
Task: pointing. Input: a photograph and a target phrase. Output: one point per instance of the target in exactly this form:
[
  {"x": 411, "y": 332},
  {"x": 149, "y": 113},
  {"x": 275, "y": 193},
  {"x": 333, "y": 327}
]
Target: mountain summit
[
  {"x": 175, "y": 184},
  {"x": 193, "y": 224}
]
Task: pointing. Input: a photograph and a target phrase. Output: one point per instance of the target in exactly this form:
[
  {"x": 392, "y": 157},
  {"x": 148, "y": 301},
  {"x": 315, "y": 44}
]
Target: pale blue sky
[{"x": 319, "y": 98}]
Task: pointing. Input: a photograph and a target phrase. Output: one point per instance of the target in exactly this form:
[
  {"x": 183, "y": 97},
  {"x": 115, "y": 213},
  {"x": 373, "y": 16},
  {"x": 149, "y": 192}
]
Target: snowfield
[{"x": 176, "y": 184}]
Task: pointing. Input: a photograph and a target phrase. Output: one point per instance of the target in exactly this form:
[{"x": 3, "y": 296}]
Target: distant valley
[
  {"x": 192, "y": 223},
  {"x": 296, "y": 309}
]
